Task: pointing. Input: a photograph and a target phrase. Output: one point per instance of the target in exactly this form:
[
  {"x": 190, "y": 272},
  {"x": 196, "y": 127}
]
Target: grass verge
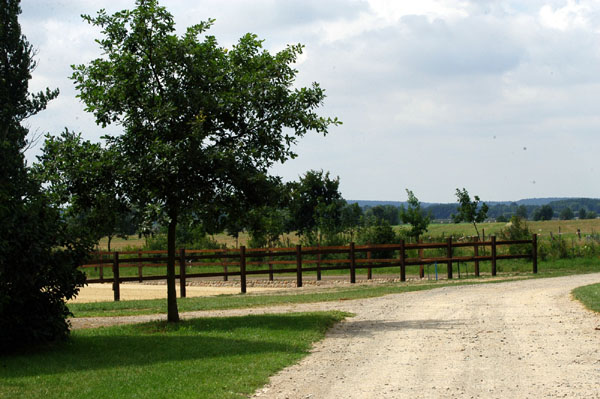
[
  {"x": 589, "y": 295},
  {"x": 200, "y": 358},
  {"x": 155, "y": 306}
]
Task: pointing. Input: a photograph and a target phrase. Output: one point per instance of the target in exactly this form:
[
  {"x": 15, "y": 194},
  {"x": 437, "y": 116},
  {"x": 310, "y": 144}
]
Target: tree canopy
[{"x": 202, "y": 123}]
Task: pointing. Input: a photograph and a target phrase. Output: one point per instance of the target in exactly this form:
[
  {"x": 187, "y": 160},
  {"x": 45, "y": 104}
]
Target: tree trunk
[
  {"x": 172, "y": 312},
  {"x": 109, "y": 240}
]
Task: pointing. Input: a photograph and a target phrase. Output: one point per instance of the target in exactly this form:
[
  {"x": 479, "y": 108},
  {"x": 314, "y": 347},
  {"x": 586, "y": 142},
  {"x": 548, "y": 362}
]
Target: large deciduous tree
[
  {"x": 38, "y": 257},
  {"x": 200, "y": 121}
]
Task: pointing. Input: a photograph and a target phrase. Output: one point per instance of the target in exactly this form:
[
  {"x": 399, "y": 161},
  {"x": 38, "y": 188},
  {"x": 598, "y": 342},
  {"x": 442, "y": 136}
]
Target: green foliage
[
  {"x": 582, "y": 214},
  {"x": 502, "y": 219},
  {"x": 566, "y": 214},
  {"x": 378, "y": 231},
  {"x": 351, "y": 216},
  {"x": 544, "y": 212},
  {"x": 79, "y": 177},
  {"x": 202, "y": 124},
  {"x": 316, "y": 204},
  {"x": 592, "y": 215},
  {"x": 38, "y": 254},
  {"x": 517, "y": 230},
  {"x": 415, "y": 216},
  {"x": 389, "y": 213},
  {"x": 521, "y": 212},
  {"x": 469, "y": 211}
]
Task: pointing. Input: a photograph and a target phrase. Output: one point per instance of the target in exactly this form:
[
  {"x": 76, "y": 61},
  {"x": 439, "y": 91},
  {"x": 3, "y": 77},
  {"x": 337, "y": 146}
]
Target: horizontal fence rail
[{"x": 236, "y": 262}]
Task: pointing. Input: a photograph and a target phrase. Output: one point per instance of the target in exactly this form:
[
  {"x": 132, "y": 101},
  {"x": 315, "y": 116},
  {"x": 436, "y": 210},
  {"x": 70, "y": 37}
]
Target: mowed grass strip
[
  {"x": 201, "y": 358},
  {"x": 589, "y": 295},
  {"x": 155, "y": 306}
]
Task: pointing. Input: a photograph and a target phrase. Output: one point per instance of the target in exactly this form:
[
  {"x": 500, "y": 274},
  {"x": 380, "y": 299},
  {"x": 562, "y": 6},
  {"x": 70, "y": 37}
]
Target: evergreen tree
[{"x": 38, "y": 257}]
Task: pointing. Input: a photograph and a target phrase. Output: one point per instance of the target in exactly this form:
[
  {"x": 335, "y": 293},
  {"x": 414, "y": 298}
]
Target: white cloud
[{"x": 422, "y": 87}]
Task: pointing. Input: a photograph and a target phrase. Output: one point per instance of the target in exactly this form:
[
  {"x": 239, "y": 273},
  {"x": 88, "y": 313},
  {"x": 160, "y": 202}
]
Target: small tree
[
  {"x": 470, "y": 211},
  {"x": 201, "y": 122},
  {"x": 582, "y": 214},
  {"x": 415, "y": 216}
]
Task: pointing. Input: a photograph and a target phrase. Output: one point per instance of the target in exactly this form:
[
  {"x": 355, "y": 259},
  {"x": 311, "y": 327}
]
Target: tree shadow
[
  {"x": 368, "y": 327},
  {"x": 158, "y": 342}
]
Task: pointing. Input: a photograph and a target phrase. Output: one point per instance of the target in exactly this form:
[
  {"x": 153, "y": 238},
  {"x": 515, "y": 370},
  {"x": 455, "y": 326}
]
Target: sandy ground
[
  {"x": 131, "y": 291},
  {"x": 523, "y": 339}
]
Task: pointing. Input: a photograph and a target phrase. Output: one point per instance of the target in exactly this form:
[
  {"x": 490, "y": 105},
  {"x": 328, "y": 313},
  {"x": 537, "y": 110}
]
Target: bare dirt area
[
  {"x": 134, "y": 291},
  {"x": 516, "y": 339}
]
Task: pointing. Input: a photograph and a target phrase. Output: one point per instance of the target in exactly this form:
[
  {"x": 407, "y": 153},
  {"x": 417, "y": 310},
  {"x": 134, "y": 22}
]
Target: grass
[
  {"x": 543, "y": 228},
  {"x": 201, "y": 358},
  {"x": 589, "y": 295},
  {"x": 514, "y": 269}
]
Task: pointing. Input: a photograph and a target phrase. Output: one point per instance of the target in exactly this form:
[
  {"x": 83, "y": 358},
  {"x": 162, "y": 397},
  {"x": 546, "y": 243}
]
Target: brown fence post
[
  {"x": 352, "y": 264},
  {"x": 243, "y": 268},
  {"x": 319, "y": 263},
  {"x": 402, "y": 261},
  {"x": 140, "y": 276},
  {"x": 476, "y": 253},
  {"x": 224, "y": 264},
  {"x": 369, "y": 270},
  {"x": 298, "y": 265},
  {"x": 116, "y": 287},
  {"x": 182, "y": 272},
  {"x": 534, "y": 253},
  {"x": 101, "y": 272},
  {"x": 421, "y": 267},
  {"x": 449, "y": 256},
  {"x": 270, "y": 268},
  {"x": 493, "y": 255}
]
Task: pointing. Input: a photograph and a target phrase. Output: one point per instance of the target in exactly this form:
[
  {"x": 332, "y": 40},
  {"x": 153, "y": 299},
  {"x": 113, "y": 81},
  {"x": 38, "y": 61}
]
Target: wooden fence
[{"x": 235, "y": 262}]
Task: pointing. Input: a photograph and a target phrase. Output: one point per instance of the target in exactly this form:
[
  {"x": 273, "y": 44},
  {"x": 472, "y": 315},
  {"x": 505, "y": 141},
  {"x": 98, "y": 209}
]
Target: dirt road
[{"x": 525, "y": 339}]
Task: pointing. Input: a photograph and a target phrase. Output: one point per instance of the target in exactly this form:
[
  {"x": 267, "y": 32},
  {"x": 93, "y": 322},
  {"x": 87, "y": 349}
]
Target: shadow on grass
[{"x": 159, "y": 342}]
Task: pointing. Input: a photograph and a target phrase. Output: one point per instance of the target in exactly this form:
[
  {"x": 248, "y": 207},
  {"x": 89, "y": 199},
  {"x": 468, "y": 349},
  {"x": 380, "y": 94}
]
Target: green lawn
[
  {"x": 589, "y": 295},
  {"x": 201, "y": 358}
]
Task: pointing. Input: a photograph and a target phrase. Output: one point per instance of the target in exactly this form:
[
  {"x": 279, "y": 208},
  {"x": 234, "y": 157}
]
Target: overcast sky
[{"x": 499, "y": 97}]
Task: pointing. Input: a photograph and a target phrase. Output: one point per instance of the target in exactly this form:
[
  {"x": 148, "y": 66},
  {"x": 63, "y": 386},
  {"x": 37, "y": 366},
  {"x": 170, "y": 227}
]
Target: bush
[
  {"x": 517, "y": 230},
  {"x": 379, "y": 232},
  {"x": 38, "y": 273}
]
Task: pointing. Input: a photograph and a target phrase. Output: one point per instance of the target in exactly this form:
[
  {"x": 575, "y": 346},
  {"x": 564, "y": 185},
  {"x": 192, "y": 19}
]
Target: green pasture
[{"x": 202, "y": 358}]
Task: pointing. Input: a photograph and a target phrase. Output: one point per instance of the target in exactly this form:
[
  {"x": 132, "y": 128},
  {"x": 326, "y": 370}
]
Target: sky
[{"x": 499, "y": 97}]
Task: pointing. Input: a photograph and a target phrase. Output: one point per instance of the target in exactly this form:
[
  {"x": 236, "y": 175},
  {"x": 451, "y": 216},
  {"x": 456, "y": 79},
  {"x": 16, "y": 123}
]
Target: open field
[
  {"x": 543, "y": 228},
  {"x": 203, "y": 358}
]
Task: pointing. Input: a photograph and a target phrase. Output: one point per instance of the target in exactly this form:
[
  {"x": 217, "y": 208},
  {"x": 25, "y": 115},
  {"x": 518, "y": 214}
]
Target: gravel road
[
  {"x": 525, "y": 339},
  {"x": 520, "y": 339}
]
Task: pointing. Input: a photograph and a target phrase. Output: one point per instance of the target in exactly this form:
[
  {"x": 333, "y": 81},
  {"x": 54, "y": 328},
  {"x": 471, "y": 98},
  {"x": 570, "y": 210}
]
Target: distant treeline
[{"x": 567, "y": 208}]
